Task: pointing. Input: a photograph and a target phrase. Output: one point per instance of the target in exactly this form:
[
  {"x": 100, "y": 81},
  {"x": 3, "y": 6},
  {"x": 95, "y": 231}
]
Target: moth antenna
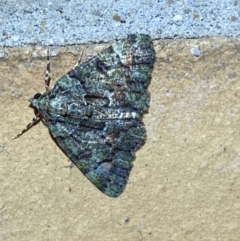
[
  {"x": 34, "y": 120},
  {"x": 47, "y": 75}
]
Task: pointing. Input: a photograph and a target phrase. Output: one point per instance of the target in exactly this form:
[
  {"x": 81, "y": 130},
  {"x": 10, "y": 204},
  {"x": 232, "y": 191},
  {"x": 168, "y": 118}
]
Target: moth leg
[
  {"x": 47, "y": 75},
  {"x": 79, "y": 59},
  {"x": 71, "y": 165}
]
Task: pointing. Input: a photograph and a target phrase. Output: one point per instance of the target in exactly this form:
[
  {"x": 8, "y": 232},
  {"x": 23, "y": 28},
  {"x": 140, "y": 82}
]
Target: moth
[{"x": 94, "y": 112}]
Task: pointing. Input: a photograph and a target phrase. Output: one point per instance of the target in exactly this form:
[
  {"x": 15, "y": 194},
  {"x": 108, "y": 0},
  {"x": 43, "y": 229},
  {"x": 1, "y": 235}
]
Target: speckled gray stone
[{"x": 74, "y": 22}]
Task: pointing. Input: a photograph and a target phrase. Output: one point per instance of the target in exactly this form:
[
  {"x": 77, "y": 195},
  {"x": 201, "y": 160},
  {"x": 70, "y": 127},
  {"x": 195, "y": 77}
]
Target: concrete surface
[
  {"x": 64, "y": 22},
  {"x": 185, "y": 182},
  {"x": 186, "y": 179}
]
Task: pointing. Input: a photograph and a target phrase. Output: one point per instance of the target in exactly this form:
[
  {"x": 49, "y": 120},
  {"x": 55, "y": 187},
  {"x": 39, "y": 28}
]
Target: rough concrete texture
[
  {"x": 62, "y": 22},
  {"x": 186, "y": 179}
]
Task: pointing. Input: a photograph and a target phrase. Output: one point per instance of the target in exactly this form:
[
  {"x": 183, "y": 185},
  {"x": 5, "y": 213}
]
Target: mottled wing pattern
[{"x": 94, "y": 112}]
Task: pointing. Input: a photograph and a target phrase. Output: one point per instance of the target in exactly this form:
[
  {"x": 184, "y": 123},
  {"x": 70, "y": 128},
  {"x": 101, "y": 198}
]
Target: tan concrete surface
[{"x": 185, "y": 184}]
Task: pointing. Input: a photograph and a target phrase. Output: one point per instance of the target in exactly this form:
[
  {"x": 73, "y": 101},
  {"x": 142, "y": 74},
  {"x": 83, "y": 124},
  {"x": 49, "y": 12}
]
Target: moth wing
[
  {"x": 104, "y": 151},
  {"x": 118, "y": 76},
  {"x": 105, "y": 98}
]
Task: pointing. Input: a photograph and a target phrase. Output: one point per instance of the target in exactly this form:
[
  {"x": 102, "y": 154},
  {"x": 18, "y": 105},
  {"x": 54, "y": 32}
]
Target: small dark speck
[
  {"x": 126, "y": 220},
  {"x": 232, "y": 75},
  {"x": 196, "y": 16},
  {"x": 4, "y": 33},
  {"x": 117, "y": 18},
  {"x": 16, "y": 95}
]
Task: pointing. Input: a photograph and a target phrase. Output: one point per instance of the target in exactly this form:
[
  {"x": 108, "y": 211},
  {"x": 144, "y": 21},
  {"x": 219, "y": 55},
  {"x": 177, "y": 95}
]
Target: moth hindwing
[{"x": 94, "y": 112}]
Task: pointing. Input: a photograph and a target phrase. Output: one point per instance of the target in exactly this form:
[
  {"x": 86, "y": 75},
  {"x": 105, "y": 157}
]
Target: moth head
[
  {"x": 35, "y": 100},
  {"x": 37, "y": 96}
]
